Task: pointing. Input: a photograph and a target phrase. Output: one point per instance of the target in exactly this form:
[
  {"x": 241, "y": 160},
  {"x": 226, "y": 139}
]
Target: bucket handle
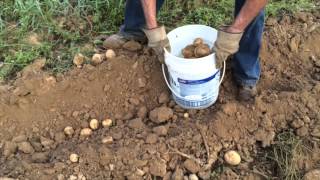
[{"x": 178, "y": 95}]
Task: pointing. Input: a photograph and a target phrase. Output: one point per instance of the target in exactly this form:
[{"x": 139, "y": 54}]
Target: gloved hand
[
  {"x": 157, "y": 40},
  {"x": 225, "y": 45}
]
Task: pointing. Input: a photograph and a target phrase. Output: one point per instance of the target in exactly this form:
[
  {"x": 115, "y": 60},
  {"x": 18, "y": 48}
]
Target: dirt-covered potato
[
  {"x": 68, "y": 131},
  {"x": 85, "y": 132},
  {"x": 97, "y": 59},
  {"x": 107, "y": 123},
  {"x": 202, "y": 50},
  {"x": 107, "y": 140},
  {"x": 232, "y": 158},
  {"x": 110, "y": 54},
  {"x": 78, "y": 60},
  {"x": 198, "y": 41},
  {"x": 74, "y": 158},
  {"x": 188, "y": 51},
  {"x": 94, "y": 124}
]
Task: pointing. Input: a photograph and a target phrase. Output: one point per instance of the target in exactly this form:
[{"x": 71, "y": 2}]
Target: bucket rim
[{"x": 190, "y": 59}]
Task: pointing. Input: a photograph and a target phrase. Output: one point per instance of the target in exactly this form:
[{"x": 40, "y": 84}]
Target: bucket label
[{"x": 198, "y": 89}]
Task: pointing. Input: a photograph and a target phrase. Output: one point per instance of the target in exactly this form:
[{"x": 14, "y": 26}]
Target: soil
[{"x": 150, "y": 135}]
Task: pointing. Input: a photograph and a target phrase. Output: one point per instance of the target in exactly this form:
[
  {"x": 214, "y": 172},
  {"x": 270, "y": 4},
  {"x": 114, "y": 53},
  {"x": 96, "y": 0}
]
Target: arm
[
  {"x": 150, "y": 13},
  {"x": 249, "y": 11}
]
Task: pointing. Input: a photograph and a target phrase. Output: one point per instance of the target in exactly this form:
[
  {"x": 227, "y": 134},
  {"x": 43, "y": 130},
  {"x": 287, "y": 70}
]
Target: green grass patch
[{"x": 66, "y": 26}]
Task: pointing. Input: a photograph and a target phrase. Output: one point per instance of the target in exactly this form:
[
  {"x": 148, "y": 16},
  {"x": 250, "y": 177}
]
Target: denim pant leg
[
  {"x": 134, "y": 18},
  {"x": 246, "y": 64}
]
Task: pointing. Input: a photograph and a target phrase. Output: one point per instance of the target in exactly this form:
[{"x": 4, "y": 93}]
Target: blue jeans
[{"x": 245, "y": 63}]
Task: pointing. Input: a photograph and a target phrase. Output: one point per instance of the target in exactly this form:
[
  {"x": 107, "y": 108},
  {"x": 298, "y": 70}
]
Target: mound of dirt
[{"x": 150, "y": 135}]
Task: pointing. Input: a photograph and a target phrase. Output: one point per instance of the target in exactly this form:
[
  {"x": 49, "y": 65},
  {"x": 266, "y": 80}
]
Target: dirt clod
[
  {"x": 152, "y": 138},
  {"x": 25, "y": 147},
  {"x": 160, "y": 130},
  {"x": 303, "y": 131},
  {"x": 164, "y": 98},
  {"x": 312, "y": 175},
  {"x": 298, "y": 123},
  {"x": 178, "y": 174},
  {"x": 136, "y": 123},
  {"x": 9, "y": 148},
  {"x": 20, "y": 138},
  {"x": 160, "y": 115},
  {"x": 132, "y": 46},
  {"x": 191, "y": 166},
  {"x": 40, "y": 157},
  {"x": 158, "y": 168},
  {"x": 142, "y": 112}
]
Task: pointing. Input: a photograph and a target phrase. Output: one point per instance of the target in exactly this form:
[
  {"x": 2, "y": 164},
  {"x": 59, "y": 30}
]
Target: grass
[
  {"x": 64, "y": 27},
  {"x": 285, "y": 154}
]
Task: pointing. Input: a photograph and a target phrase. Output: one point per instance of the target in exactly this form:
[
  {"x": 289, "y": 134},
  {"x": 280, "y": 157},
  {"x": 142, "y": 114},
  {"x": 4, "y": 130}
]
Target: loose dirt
[{"x": 150, "y": 135}]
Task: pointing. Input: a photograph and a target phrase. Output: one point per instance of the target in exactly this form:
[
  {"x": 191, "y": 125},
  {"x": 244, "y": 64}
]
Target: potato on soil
[
  {"x": 107, "y": 140},
  {"x": 107, "y": 123},
  {"x": 188, "y": 51},
  {"x": 197, "y": 41},
  {"x": 74, "y": 158},
  {"x": 85, "y": 132},
  {"x": 110, "y": 54},
  {"x": 69, "y": 130},
  {"x": 78, "y": 59},
  {"x": 97, "y": 59},
  {"x": 94, "y": 124},
  {"x": 202, "y": 50},
  {"x": 232, "y": 158}
]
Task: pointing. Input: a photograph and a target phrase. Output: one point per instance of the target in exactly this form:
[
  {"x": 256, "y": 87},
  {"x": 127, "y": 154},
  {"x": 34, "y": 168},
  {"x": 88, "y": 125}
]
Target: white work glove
[
  {"x": 157, "y": 40},
  {"x": 225, "y": 45}
]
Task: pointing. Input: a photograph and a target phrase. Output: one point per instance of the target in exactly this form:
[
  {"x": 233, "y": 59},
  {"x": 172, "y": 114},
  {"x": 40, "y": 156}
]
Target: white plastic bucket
[{"x": 194, "y": 83}]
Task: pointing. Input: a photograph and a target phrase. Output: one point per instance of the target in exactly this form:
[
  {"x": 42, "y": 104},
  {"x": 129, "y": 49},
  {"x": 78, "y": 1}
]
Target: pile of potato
[{"x": 196, "y": 50}]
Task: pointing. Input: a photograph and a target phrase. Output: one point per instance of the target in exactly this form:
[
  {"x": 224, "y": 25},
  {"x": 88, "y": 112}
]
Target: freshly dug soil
[{"x": 150, "y": 135}]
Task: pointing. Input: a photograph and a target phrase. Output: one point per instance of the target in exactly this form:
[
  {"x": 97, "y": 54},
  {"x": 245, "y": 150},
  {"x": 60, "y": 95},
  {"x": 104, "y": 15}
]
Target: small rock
[
  {"x": 132, "y": 46},
  {"x": 297, "y": 123},
  {"x": 25, "y": 147},
  {"x": 158, "y": 168},
  {"x": 20, "y": 138},
  {"x": 164, "y": 98},
  {"x": 97, "y": 59},
  {"x": 160, "y": 115},
  {"x": 46, "y": 142},
  {"x": 316, "y": 131},
  {"x": 312, "y": 175},
  {"x": 152, "y": 138},
  {"x": 78, "y": 60},
  {"x": 59, "y": 137},
  {"x": 232, "y": 158},
  {"x": 178, "y": 174},
  {"x": 41, "y": 157},
  {"x": 191, "y": 166},
  {"x": 193, "y": 177},
  {"x": 142, "y": 112},
  {"x": 9, "y": 148},
  {"x": 60, "y": 177},
  {"x": 205, "y": 175},
  {"x": 303, "y": 131},
  {"x": 142, "y": 82},
  {"x": 110, "y": 54},
  {"x": 160, "y": 130},
  {"x": 136, "y": 123}
]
